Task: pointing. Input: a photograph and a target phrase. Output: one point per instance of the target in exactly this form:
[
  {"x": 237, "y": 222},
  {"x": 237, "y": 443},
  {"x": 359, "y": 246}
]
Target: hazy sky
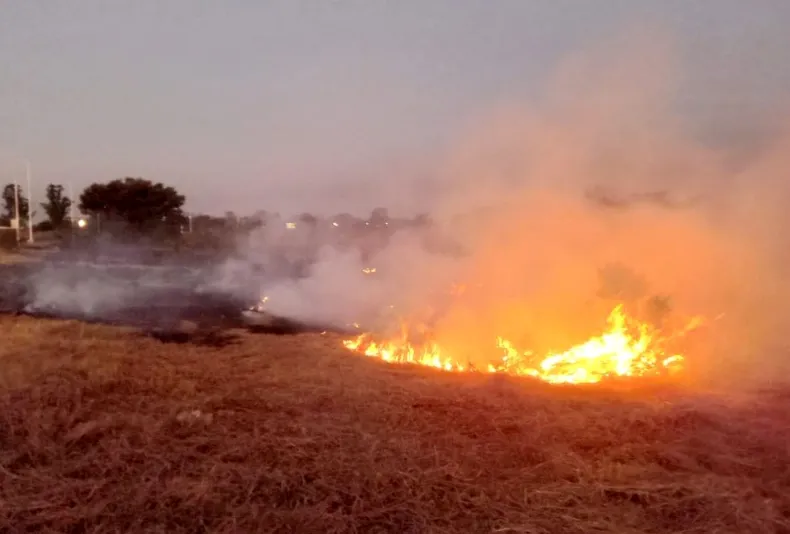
[{"x": 310, "y": 104}]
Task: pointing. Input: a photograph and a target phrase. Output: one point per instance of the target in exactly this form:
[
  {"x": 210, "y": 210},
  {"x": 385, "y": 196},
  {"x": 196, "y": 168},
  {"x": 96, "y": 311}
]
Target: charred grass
[{"x": 103, "y": 429}]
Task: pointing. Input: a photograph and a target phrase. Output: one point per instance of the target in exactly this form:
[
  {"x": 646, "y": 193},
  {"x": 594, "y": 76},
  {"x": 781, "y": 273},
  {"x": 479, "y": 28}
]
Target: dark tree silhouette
[
  {"x": 9, "y": 210},
  {"x": 140, "y": 203},
  {"x": 308, "y": 219},
  {"x": 379, "y": 217},
  {"x": 57, "y": 205}
]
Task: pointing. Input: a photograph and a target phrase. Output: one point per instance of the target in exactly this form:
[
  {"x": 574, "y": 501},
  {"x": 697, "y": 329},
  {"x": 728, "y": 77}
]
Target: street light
[{"x": 29, "y": 203}]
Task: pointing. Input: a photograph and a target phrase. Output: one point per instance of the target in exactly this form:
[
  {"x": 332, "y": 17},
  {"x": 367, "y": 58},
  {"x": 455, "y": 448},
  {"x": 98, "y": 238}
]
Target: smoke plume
[
  {"x": 552, "y": 210},
  {"x": 593, "y": 193}
]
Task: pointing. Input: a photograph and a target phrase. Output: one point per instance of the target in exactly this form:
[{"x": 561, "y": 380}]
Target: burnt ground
[{"x": 166, "y": 302}]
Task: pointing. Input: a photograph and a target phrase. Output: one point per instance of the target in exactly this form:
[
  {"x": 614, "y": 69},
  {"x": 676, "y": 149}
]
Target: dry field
[{"x": 104, "y": 430}]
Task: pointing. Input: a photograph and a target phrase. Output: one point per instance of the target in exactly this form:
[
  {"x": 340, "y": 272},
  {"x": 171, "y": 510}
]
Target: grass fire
[
  {"x": 107, "y": 428},
  {"x": 395, "y": 267},
  {"x": 627, "y": 348}
]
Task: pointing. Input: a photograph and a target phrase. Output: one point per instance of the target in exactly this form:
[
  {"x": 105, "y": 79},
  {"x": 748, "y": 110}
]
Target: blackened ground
[{"x": 168, "y": 302}]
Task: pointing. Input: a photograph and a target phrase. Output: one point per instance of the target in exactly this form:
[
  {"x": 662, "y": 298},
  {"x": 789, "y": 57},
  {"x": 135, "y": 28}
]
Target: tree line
[
  {"x": 141, "y": 206},
  {"x": 136, "y": 203}
]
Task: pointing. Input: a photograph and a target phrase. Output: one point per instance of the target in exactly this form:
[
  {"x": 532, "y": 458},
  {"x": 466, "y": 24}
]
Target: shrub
[
  {"x": 8, "y": 239},
  {"x": 44, "y": 226}
]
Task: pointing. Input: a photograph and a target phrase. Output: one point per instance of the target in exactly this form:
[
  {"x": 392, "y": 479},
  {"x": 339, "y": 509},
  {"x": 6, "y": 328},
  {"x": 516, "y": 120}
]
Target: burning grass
[
  {"x": 628, "y": 348},
  {"x": 103, "y": 429}
]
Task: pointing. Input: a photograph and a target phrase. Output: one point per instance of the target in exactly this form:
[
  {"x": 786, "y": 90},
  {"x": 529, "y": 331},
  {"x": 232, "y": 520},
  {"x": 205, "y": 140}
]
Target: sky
[{"x": 327, "y": 105}]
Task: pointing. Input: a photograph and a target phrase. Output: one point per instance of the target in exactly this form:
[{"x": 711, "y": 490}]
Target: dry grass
[{"x": 104, "y": 430}]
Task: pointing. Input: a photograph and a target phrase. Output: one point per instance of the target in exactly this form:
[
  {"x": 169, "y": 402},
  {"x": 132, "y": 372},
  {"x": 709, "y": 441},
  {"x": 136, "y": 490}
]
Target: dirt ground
[{"x": 105, "y": 430}]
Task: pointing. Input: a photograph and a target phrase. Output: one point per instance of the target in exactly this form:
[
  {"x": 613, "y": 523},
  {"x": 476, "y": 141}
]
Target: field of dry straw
[{"x": 105, "y": 430}]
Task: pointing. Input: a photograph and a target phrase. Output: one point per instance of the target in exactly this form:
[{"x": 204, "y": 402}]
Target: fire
[
  {"x": 402, "y": 351},
  {"x": 627, "y": 348}
]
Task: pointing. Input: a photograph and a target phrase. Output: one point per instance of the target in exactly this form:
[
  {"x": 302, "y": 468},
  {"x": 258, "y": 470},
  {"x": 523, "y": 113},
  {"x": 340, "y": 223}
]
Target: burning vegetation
[{"x": 626, "y": 348}]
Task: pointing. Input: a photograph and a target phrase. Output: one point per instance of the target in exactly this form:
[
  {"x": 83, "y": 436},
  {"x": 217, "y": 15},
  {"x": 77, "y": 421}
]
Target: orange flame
[{"x": 627, "y": 348}]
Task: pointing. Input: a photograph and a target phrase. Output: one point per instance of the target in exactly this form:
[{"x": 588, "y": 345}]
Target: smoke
[
  {"x": 335, "y": 293},
  {"x": 602, "y": 172},
  {"x": 106, "y": 281},
  {"x": 595, "y": 192},
  {"x": 550, "y": 211},
  {"x": 331, "y": 286}
]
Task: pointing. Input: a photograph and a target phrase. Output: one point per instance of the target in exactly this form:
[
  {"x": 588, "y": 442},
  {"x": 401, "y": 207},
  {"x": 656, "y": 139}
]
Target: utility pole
[
  {"x": 16, "y": 209},
  {"x": 29, "y": 204}
]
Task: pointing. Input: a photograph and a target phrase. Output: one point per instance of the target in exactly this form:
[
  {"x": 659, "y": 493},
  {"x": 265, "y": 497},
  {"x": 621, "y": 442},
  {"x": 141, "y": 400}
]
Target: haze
[{"x": 335, "y": 106}]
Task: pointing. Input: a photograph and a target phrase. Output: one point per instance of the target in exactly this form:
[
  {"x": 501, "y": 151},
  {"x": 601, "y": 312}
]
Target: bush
[
  {"x": 8, "y": 239},
  {"x": 44, "y": 226}
]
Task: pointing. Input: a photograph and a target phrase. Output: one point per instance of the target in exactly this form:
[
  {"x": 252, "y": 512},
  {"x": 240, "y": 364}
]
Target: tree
[
  {"x": 140, "y": 203},
  {"x": 308, "y": 219},
  {"x": 57, "y": 205},
  {"x": 9, "y": 204},
  {"x": 379, "y": 216}
]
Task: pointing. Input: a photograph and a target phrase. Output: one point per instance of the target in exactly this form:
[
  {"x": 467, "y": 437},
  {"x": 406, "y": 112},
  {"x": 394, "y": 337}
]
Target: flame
[
  {"x": 627, "y": 348},
  {"x": 401, "y": 351}
]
